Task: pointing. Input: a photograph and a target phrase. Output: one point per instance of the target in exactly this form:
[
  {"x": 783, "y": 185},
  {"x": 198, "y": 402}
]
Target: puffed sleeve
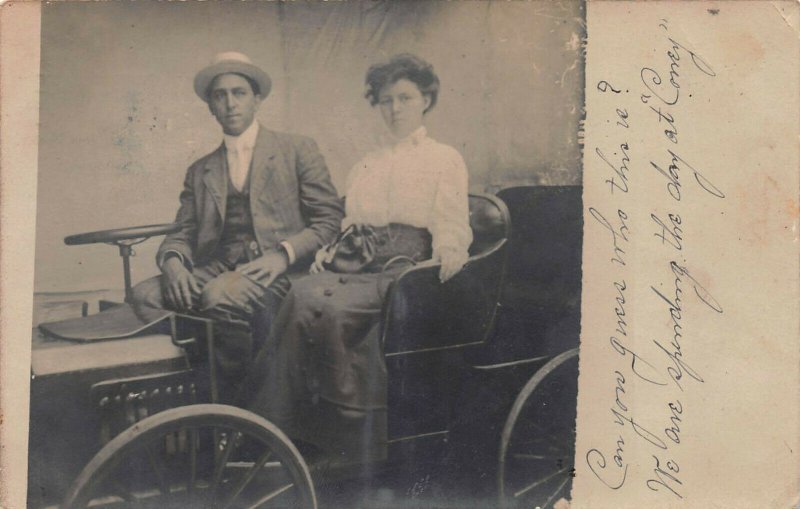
[
  {"x": 354, "y": 194},
  {"x": 450, "y": 225},
  {"x": 353, "y": 176}
]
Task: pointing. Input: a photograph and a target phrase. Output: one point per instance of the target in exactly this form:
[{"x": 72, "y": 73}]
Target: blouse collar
[{"x": 413, "y": 139}]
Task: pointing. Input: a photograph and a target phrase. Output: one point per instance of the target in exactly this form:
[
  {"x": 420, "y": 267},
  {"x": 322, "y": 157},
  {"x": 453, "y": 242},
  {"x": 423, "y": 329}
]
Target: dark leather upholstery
[
  {"x": 540, "y": 312},
  {"x": 545, "y": 247},
  {"x": 489, "y": 221},
  {"x": 422, "y": 313},
  {"x": 425, "y": 323}
]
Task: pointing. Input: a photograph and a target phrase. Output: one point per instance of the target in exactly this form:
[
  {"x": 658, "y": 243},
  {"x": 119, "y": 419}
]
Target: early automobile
[{"x": 482, "y": 377}]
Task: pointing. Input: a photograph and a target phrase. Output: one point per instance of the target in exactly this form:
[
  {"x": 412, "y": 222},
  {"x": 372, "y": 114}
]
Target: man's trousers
[{"x": 234, "y": 302}]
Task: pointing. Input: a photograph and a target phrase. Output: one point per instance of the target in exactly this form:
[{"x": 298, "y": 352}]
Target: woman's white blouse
[{"x": 417, "y": 181}]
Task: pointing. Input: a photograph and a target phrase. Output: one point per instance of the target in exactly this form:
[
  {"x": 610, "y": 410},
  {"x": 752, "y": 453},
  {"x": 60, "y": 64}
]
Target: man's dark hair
[{"x": 403, "y": 66}]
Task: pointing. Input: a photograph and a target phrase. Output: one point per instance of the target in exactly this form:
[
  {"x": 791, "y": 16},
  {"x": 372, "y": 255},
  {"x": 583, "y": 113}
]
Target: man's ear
[
  {"x": 428, "y": 101},
  {"x": 258, "y": 101}
]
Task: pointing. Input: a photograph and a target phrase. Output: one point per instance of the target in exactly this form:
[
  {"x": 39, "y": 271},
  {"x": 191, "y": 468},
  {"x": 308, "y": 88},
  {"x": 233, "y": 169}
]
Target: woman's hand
[
  {"x": 319, "y": 258},
  {"x": 452, "y": 261}
]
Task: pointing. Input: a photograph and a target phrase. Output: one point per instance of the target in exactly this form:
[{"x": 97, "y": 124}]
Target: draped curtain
[{"x": 119, "y": 122}]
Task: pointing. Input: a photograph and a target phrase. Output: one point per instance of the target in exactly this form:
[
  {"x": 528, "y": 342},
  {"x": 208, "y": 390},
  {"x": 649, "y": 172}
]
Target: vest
[{"x": 237, "y": 242}]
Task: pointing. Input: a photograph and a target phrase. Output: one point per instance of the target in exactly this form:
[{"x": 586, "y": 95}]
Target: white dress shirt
[
  {"x": 239, "y": 150},
  {"x": 416, "y": 181}
]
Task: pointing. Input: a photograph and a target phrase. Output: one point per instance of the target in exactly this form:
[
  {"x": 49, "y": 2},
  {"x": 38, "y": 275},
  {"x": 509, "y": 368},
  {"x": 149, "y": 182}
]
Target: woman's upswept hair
[{"x": 403, "y": 66}]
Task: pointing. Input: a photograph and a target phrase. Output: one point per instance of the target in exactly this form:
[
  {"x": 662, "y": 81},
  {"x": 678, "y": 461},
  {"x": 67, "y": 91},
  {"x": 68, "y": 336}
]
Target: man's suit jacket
[{"x": 292, "y": 199}]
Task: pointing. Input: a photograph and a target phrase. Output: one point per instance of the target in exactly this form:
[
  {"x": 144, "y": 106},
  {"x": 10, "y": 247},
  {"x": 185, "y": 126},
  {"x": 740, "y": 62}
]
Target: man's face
[{"x": 233, "y": 103}]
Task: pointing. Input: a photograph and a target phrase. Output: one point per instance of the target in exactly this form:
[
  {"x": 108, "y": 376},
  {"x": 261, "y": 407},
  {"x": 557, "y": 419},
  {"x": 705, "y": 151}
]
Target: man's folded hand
[
  {"x": 265, "y": 268},
  {"x": 178, "y": 284}
]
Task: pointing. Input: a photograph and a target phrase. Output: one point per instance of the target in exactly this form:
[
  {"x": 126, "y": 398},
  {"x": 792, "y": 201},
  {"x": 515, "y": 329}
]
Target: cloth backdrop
[{"x": 120, "y": 122}]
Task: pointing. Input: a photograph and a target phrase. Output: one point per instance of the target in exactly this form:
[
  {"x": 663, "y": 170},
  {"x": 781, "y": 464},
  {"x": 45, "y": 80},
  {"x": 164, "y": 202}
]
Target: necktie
[{"x": 238, "y": 171}]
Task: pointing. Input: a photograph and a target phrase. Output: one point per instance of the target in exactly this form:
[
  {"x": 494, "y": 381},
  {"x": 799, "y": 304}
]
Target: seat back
[
  {"x": 545, "y": 248},
  {"x": 490, "y": 222},
  {"x": 428, "y": 325},
  {"x": 541, "y": 298},
  {"x": 423, "y": 314}
]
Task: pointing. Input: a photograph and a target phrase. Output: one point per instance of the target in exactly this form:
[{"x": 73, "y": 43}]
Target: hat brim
[{"x": 204, "y": 78}]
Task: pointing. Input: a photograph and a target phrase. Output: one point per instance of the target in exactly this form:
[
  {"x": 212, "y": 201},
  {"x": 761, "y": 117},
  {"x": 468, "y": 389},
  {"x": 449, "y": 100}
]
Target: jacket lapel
[
  {"x": 262, "y": 167},
  {"x": 216, "y": 178}
]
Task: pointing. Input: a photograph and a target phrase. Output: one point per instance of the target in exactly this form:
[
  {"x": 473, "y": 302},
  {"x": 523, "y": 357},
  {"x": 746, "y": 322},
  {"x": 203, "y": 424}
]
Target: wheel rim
[
  {"x": 199, "y": 456},
  {"x": 537, "y": 449}
]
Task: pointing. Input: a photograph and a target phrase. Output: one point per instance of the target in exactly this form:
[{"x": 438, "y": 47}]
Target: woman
[{"x": 323, "y": 365}]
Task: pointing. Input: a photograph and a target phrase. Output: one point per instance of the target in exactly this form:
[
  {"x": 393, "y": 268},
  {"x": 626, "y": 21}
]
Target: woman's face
[{"x": 402, "y": 106}]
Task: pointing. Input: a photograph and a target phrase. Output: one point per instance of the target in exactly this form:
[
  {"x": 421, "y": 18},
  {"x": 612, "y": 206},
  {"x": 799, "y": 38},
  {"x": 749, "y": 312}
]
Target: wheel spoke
[
  {"x": 104, "y": 501},
  {"x": 245, "y": 480},
  {"x": 156, "y": 465},
  {"x": 219, "y": 467},
  {"x": 539, "y": 453},
  {"x": 522, "y": 456},
  {"x": 194, "y": 437},
  {"x": 544, "y": 449},
  {"x": 537, "y": 447},
  {"x": 539, "y": 482},
  {"x": 272, "y": 495},
  {"x": 555, "y": 493},
  {"x": 187, "y": 457}
]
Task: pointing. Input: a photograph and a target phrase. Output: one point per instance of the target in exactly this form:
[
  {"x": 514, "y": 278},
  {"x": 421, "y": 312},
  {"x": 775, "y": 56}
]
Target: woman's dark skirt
[{"x": 321, "y": 377}]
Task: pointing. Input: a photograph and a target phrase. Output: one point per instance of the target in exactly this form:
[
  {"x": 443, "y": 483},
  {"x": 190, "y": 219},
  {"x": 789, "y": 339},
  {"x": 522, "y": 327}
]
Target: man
[{"x": 253, "y": 211}]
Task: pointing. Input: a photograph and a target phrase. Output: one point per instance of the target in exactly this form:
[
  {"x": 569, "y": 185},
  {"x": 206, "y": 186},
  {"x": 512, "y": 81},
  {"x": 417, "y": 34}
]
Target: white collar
[
  {"x": 245, "y": 140},
  {"x": 412, "y": 140}
]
